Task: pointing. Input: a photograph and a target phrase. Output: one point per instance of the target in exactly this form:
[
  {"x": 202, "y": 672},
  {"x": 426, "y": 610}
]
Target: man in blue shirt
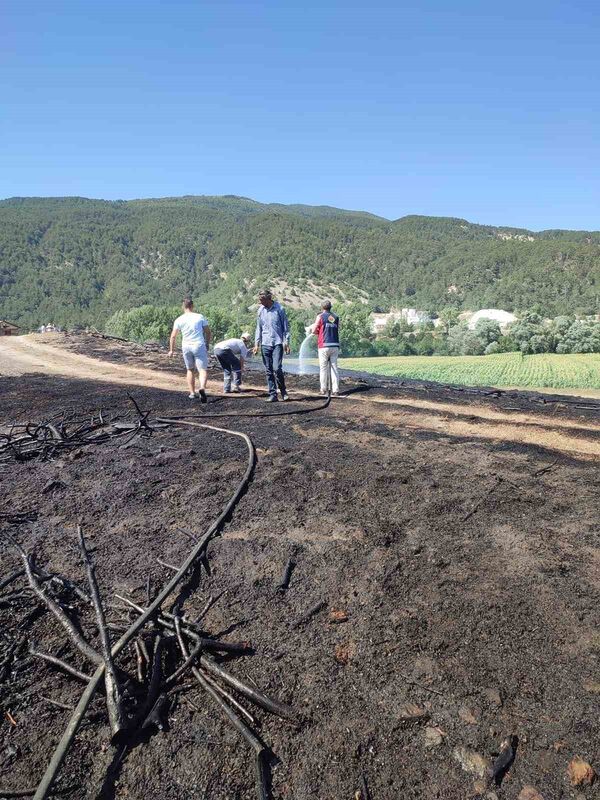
[{"x": 272, "y": 337}]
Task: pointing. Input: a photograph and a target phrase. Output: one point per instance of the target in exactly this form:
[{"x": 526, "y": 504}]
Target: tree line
[{"x": 530, "y": 334}]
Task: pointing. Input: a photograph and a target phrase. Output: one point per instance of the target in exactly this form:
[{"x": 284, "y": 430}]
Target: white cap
[{"x": 245, "y": 335}]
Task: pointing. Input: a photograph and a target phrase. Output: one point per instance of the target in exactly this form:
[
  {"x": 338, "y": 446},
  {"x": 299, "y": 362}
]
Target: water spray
[{"x": 303, "y": 355}]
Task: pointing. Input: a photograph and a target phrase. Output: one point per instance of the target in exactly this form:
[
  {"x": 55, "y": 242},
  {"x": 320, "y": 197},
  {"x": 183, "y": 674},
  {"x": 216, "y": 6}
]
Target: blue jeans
[
  {"x": 232, "y": 368},
  {"x": 272, "y": 359}
]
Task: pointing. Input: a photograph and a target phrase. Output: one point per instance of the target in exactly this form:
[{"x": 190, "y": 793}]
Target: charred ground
[{"x": 468, "y": 568}]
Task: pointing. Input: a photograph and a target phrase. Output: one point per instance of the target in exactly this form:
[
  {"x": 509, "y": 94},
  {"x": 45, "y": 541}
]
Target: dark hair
[
  {"x": 188, "y": 303},
  {"x": 326, "y": 305},
  {"x": 265, "y": 293}
]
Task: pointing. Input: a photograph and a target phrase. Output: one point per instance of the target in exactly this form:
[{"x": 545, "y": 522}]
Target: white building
[
  {"x": 409, "y": 315},
  {"x": 379, "y": 321},
  {"x": 503, "y": 318}
]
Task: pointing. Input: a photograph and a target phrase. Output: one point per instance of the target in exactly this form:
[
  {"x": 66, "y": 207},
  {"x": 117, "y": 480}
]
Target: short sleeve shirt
[
  {"x": 191, "y": 326},
  {"x": 236, "y": 346}
]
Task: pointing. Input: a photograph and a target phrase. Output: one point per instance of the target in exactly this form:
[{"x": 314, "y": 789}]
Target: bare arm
[
  {"x": 286, "y": 332},
  {"x": 207, "y": 335},
  {"x": 257, "y": 334},
  {"x": 174, "y": 333}
]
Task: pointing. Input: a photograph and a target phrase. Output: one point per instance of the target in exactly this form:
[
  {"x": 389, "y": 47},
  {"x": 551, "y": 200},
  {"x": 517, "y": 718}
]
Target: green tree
[
  {"x": 143, "y": 324},
  {"x": 464, "y": 342},
  {"x": 75, "y": 261},
  {"x": 356, "y": 336},
  {"x": 488, "y": 331},
  {"x": 449, "y": 318},
  {"x": 530, "y": 334},
  {"x": 582, "y": 336}
]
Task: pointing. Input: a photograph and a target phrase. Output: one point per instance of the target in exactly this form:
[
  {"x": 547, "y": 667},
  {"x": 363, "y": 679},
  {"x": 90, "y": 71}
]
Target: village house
[
  {"x": 408, "y": 315},
  {"x": 414, "y": 317}
]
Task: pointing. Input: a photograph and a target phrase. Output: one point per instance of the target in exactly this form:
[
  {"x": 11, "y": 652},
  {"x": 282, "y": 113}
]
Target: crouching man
[
  {"x": 195, "y": 338},
  {"x": 231, "y": 355}
]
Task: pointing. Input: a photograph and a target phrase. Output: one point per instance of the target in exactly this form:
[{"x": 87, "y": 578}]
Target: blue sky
[{"x": 487, "y": 111}]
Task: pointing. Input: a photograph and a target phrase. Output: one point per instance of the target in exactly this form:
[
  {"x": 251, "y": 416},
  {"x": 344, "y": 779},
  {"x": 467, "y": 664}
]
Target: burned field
[{"x": 443, "y": 596}]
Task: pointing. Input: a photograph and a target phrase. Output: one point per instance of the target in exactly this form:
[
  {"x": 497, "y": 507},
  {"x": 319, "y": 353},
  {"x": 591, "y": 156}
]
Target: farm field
[{"x": 544, "y": 370}]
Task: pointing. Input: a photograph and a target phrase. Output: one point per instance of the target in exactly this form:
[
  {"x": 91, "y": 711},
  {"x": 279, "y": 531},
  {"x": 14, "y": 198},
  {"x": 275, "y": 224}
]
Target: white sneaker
[
  {"x": 191, "y": 396},
  {"x": 235, "y": 389}
]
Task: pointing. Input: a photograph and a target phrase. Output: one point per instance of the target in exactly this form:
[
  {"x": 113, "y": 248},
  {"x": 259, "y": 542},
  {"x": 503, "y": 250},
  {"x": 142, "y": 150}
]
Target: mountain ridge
[
  {"x": 77, "y": 260},
  {"x": 302, "y": 208}
]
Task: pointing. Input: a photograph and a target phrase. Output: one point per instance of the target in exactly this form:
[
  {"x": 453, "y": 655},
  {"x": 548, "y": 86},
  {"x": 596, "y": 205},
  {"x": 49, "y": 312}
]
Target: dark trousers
[
  {"x": 232, "y": 368},
  {"x": 272, "y": 359}
]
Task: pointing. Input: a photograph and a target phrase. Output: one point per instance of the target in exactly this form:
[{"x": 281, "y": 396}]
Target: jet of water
[{"x": 304, "y": 355}]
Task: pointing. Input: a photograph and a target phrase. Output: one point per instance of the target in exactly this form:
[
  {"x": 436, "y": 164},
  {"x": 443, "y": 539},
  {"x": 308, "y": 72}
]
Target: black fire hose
[
  {"x": 197, "y": 551},
  {"x": 214, "y": 415},
  {"x": 66, "y": 740}
]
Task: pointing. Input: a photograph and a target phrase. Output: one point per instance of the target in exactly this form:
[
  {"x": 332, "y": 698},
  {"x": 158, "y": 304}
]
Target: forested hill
[{"x": 73, "y": 260}]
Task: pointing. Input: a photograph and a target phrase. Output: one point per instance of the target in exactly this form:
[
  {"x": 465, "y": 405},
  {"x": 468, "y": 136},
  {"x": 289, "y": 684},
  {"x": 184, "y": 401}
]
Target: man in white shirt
[
  {"x": 231, "y": 354},
  {"x": 195, "y": 338}
]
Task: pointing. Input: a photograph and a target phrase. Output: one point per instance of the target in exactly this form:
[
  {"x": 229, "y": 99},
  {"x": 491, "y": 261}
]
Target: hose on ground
[
  {"x": 66, "y": 740},
  {"x": 287, "y": 413}
]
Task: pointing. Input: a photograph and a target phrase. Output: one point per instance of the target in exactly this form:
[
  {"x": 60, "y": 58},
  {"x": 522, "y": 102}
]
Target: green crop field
[{"x": 545, "y": 370}]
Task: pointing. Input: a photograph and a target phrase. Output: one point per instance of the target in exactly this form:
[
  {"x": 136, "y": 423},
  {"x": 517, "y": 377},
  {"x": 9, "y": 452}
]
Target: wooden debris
[
  {"x": 75, "y": 636},
  {"x": 62, "y": 665},
  {"x": 504, "y": 760},
  {"x": 284, "y": 583},
  {"x": 114, "y": 704},
  {"x": 309, "y": 614}
]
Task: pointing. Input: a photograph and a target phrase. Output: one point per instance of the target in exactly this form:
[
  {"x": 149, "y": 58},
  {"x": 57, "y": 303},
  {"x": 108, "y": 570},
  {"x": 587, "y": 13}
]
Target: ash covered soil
[{"x": 459, "y": 577}]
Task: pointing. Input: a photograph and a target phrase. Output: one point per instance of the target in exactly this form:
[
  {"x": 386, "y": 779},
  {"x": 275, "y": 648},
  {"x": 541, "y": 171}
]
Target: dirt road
[{"x": 25, "y": 355}]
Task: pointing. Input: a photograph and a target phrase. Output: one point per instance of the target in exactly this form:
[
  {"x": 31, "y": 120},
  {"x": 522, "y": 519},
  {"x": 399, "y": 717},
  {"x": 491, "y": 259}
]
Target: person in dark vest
[{"x": 327, "y": 329}]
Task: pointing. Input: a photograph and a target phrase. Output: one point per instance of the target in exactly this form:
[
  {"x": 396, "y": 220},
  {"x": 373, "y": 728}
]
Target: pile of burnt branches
[
  {"x": 142, "y": 685},
  {"x": 157, "y": 645},
  {"x": 66, "y": 431}
]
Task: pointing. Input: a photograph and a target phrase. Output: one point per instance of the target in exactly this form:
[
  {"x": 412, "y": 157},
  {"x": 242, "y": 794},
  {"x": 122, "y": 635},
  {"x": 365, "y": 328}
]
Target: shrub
[
  {"x": 582, "y": 336},
  {"x": 463, "y": 342},
  {"x": 488, "y": 330},
  {"x": 143, "y": 323}
]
